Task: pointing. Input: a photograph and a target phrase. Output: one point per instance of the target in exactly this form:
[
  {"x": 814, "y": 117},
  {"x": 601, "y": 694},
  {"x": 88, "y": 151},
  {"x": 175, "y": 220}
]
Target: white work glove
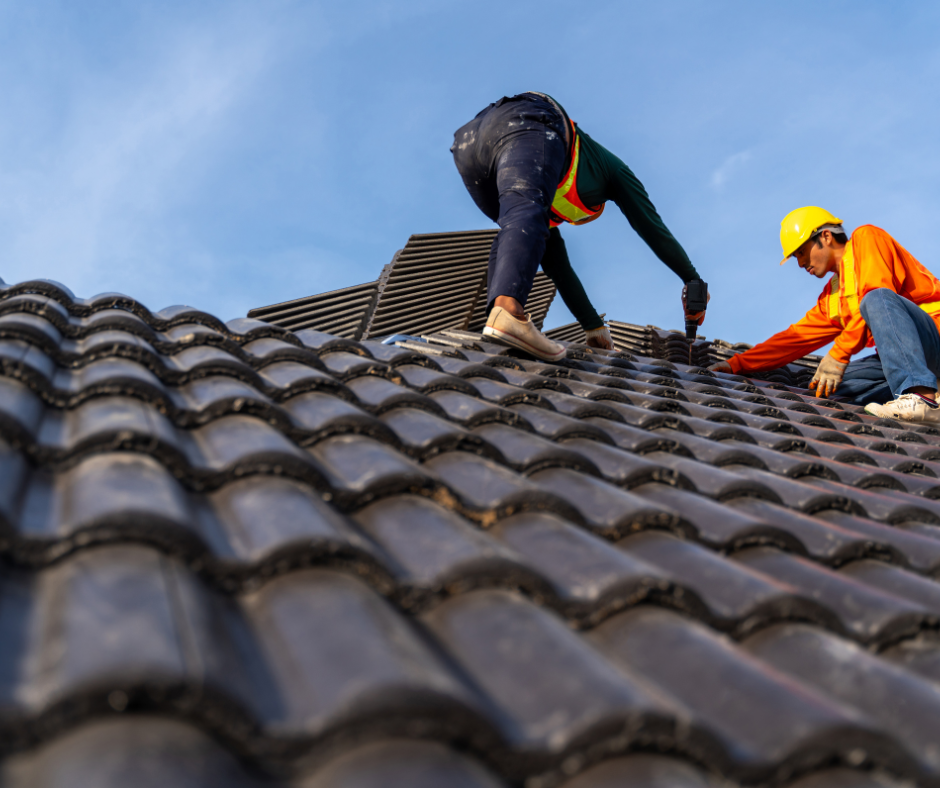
[
  {"x": 828, "y": 376},
  {"x": 699, "y": 317},
  {"x": 600, "y": 338},
  {"x": 721, "y": 366}
]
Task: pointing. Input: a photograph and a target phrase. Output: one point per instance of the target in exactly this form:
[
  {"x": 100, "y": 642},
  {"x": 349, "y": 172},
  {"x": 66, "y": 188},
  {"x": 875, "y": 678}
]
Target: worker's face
[{"x": 818, "y": 255}]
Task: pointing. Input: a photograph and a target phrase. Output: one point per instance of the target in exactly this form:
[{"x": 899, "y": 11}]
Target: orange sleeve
[
  {"x": 804, "y": 336},
  {"x": 852, "y": 340}
]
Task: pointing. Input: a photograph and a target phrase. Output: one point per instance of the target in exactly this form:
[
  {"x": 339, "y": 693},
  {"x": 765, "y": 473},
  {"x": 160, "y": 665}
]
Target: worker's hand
[
  {"x": 721, "y": 366},
  {"x": 600, "y": 338},
  {"x": 698, "y": 317},
  {"x": 828, "y": 376}
]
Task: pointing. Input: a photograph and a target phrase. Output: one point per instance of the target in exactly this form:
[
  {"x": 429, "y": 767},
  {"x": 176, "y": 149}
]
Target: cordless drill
[{"x": 696, "y": 300}]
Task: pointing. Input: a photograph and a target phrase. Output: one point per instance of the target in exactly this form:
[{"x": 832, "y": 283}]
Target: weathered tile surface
[{"x": 236, "y": 555}]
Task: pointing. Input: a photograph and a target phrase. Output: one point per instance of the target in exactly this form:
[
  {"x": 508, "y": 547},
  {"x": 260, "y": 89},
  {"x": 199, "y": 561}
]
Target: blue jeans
[{"x": 908, "y": 351}]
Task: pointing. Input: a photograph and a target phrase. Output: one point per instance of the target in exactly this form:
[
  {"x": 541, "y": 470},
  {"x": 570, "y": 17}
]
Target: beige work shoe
[
  {"x": 907, "y": 407},
  {"x": 509, "y": 330}
]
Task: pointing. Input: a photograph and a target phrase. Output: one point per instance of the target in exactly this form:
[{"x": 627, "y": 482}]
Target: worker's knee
[
  {"x": 527, "y": 216},
  {"x": 874, "y": 298}
]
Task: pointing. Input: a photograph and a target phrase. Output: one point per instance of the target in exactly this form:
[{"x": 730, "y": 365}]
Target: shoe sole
[
  {"x": 899, "y": 419},
  {"x": 512, "y": 341}
]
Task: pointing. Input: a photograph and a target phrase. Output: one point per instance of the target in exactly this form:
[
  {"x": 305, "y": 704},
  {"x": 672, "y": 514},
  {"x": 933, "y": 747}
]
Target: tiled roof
[
  {"x": 235, "y": 555},
  {"x": 437, "y": 281}
]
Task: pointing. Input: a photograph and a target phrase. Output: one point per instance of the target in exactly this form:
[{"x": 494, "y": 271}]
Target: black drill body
[{"x": 696, "y": 300}]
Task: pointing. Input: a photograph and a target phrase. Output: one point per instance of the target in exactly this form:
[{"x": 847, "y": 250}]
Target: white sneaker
[
  {"x": 510, "y": 330},
  {"x": 907, "y": 407}
]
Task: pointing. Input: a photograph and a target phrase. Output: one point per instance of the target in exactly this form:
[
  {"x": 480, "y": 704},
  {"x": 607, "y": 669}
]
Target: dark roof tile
[
  {"x": 605, "y": 508},
  {"x": 720, "y": 484},
  {"x": 472, "y": 412},
  {"x": 288, "y": 378},
  {"x": 343, "y": 365},
  {"x": 847, "y": 778},
  {"x": 538, "y": 712},
  {"x": 643, "y": 771},
  {"x": 623, "y": 469},
  {"x": 889, "y": 506},
  {"x": 894, "y": 699},
  {"x": 720, "y": 526},
  {"x": 835, "y": 538},
  {"x": 380, "y": 395},
  {"x": 130, "y": 751},
  {"x": 318, "y": 415},
  {"x": 505, "y": 394},
  {"x": 638, "y": 441},
  {"x": 866, "y": 614},
  {"x": 812, "y": 495},
  {"x": 402, "y": 763},
  {"x": 359, "y": 469},
  {"x": 528, "y": 453},
  {"x": 556, "y": 426},
  {"x": 427, "y": 380},
  {"x": 718, "y": 689},
  {"x": 590, "y": 577},
  {"x": 338, "y": 653},
  {"x": 424, "y": 434},
  {"x": 737, "y": 597},
  {"x": 436, "y": 553}
]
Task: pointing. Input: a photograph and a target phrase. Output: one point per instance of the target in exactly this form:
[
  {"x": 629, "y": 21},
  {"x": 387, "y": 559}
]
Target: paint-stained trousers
[{"x": 511, "y": 157}]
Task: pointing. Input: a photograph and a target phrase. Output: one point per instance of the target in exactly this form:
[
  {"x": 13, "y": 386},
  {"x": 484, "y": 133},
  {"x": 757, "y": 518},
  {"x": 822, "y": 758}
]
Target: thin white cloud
[
  {"x": 729, "y": 167},
  {"x": 87, "y": 208}
]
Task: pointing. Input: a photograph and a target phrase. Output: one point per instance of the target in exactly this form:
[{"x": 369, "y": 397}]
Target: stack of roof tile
[
  {"x": 437, "y": 281},
  {"x": 236, "y": 555},
  {"x": 657, "y": 343}
]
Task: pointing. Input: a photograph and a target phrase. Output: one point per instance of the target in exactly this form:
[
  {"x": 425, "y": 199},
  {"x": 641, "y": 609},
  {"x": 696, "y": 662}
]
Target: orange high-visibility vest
[
  {"x": 567, "y": 205},
  {"x": 848, "y": 289}
]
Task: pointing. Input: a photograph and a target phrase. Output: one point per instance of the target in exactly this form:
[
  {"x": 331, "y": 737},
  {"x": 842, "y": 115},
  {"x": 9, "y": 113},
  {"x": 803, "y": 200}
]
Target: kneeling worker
[
  {"x": 529, "y": 168},
  {"x": 880, "y": 295}
]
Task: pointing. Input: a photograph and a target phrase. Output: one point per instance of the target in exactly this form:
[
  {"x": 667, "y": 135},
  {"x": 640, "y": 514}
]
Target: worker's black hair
[{"x": 840, "y": 238}]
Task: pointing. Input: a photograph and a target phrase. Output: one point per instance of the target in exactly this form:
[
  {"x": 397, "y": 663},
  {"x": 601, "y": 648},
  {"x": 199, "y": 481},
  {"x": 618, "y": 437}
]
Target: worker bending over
[
  {"x": 878, "y": 295},
  {"x": 529, "y": 168}
]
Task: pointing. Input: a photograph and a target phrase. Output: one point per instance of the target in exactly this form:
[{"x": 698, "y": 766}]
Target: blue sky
[{"x": 236, "y": 154}]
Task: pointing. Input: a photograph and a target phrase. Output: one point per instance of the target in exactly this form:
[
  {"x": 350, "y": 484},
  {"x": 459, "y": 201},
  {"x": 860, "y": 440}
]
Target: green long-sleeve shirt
[{"x": 602, "y": 177}]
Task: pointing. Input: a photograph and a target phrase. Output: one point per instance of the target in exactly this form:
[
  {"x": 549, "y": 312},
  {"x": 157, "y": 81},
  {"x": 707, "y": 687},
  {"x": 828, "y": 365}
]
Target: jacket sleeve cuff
[
  {"x": 840, "y": 355},
  {"x": 735, "y": 363}
]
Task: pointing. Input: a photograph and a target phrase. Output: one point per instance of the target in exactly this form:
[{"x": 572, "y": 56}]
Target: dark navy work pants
[{"x": 511, "y": 157}]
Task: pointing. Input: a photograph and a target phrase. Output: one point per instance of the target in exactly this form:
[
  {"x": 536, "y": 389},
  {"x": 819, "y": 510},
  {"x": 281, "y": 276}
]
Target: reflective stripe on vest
[
  {"x": 567, "y": 205},
  {"x": 850, "y": 290}
]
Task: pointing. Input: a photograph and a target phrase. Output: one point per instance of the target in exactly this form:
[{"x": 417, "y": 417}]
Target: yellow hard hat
[{"x": 798, "y": 227}]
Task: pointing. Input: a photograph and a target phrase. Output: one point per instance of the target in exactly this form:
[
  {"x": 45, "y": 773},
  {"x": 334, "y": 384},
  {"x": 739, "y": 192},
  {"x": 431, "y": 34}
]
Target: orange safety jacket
[
  {"x": 872, "y": 259},
  {"x": 567, "y": 206}
]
